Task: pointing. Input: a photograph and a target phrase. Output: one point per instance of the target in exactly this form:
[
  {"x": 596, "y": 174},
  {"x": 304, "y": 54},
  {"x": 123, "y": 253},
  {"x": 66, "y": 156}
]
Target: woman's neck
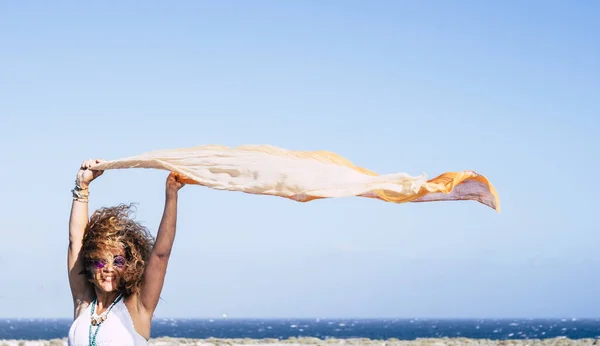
[{"x": 104, "y": 299}]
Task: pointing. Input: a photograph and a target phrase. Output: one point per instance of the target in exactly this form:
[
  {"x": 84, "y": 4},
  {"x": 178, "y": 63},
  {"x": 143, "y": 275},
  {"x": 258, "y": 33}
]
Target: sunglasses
[{"x": 118, "y": 261}]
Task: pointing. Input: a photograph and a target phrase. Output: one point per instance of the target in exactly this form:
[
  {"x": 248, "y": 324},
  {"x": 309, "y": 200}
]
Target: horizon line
[{"x": 573, "y": 318}]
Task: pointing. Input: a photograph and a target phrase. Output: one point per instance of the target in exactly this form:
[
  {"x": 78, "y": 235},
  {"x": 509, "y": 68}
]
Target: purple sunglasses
[{"x": 119, "y": 262}]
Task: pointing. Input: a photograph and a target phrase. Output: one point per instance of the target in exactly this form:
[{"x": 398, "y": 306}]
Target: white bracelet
[{"x": 77, "y": 195}]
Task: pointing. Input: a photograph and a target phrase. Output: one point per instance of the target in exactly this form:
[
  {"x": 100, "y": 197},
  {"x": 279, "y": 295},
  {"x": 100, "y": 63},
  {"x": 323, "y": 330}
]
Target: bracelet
[{"x": 77, "y": 193}]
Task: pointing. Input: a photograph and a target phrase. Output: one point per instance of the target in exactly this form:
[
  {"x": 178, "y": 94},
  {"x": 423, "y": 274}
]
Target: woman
[{"x": 116, "y": 270}]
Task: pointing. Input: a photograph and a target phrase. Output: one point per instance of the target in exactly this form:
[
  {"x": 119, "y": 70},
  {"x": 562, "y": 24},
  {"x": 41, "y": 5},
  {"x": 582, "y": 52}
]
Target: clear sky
[{"x": 510, "y": 89}]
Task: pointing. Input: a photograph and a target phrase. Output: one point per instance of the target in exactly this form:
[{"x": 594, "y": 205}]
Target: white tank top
[{"x": 118, "y": 329}]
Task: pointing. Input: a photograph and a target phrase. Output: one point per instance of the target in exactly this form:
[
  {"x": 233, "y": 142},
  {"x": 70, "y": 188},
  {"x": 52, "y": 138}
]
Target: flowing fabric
[{"x": 305, "y": 175}]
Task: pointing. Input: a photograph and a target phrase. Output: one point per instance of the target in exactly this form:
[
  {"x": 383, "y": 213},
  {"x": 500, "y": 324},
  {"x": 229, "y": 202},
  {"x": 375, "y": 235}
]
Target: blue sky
[{"x": 508, "y": 89}]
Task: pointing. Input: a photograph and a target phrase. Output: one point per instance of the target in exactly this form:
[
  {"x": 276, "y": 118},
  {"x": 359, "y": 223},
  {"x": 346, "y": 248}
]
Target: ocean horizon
[{"x": 326, "y": 328}]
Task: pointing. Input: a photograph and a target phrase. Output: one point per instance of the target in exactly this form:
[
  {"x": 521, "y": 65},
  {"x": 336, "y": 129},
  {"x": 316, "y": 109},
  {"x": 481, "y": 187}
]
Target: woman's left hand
[{"x": 173, "y": 183}]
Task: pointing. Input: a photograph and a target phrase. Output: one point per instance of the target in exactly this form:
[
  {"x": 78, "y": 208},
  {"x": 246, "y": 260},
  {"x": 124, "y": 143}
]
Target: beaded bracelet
[{"x": 77, "y": 195}]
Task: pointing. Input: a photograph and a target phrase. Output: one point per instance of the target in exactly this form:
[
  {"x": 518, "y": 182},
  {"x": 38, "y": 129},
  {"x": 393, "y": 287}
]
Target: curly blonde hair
[{"x": 112, "y": 228}]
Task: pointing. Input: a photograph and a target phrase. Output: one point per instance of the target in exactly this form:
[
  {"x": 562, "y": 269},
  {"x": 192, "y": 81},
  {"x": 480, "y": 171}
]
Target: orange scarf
[{"x": 305, "y": 175}]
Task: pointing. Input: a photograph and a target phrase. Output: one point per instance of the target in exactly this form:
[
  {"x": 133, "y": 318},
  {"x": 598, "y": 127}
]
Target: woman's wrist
[
  {"x": 172, "y": 193},
  {"x": 80, "y": 192}
]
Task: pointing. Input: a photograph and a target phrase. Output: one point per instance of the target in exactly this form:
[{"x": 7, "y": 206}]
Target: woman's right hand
[{"x": 85, "y": 175}]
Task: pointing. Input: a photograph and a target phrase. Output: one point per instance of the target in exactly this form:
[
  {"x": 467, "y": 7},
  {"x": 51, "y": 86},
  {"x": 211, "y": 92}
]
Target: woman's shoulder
[{"x": 81, "y": 305}]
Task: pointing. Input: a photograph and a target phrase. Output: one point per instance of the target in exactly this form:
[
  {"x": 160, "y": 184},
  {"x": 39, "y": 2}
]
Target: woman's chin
[{"x": 107, "y": 287}]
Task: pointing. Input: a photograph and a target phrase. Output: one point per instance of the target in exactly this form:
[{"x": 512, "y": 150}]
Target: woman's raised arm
[
  {"x": 80, "y": 287},
  {"x": 154, "y": 274}
]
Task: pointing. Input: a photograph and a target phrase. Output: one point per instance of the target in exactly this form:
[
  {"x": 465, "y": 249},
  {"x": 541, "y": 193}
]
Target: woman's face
[{"x": 106, "y": 272}]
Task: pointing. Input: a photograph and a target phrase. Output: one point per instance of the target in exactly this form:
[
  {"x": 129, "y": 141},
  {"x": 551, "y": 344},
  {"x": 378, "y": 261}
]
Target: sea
[{"x": 322, "y": 328}]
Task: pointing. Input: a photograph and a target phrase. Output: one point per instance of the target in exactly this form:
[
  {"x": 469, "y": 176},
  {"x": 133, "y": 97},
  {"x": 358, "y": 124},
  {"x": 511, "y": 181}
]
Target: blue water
[{"x": 404, "y": 329}]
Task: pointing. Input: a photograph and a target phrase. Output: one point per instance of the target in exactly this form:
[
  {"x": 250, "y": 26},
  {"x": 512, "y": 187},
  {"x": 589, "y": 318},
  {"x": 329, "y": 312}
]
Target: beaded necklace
[{"x": 97, "y": 322}]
